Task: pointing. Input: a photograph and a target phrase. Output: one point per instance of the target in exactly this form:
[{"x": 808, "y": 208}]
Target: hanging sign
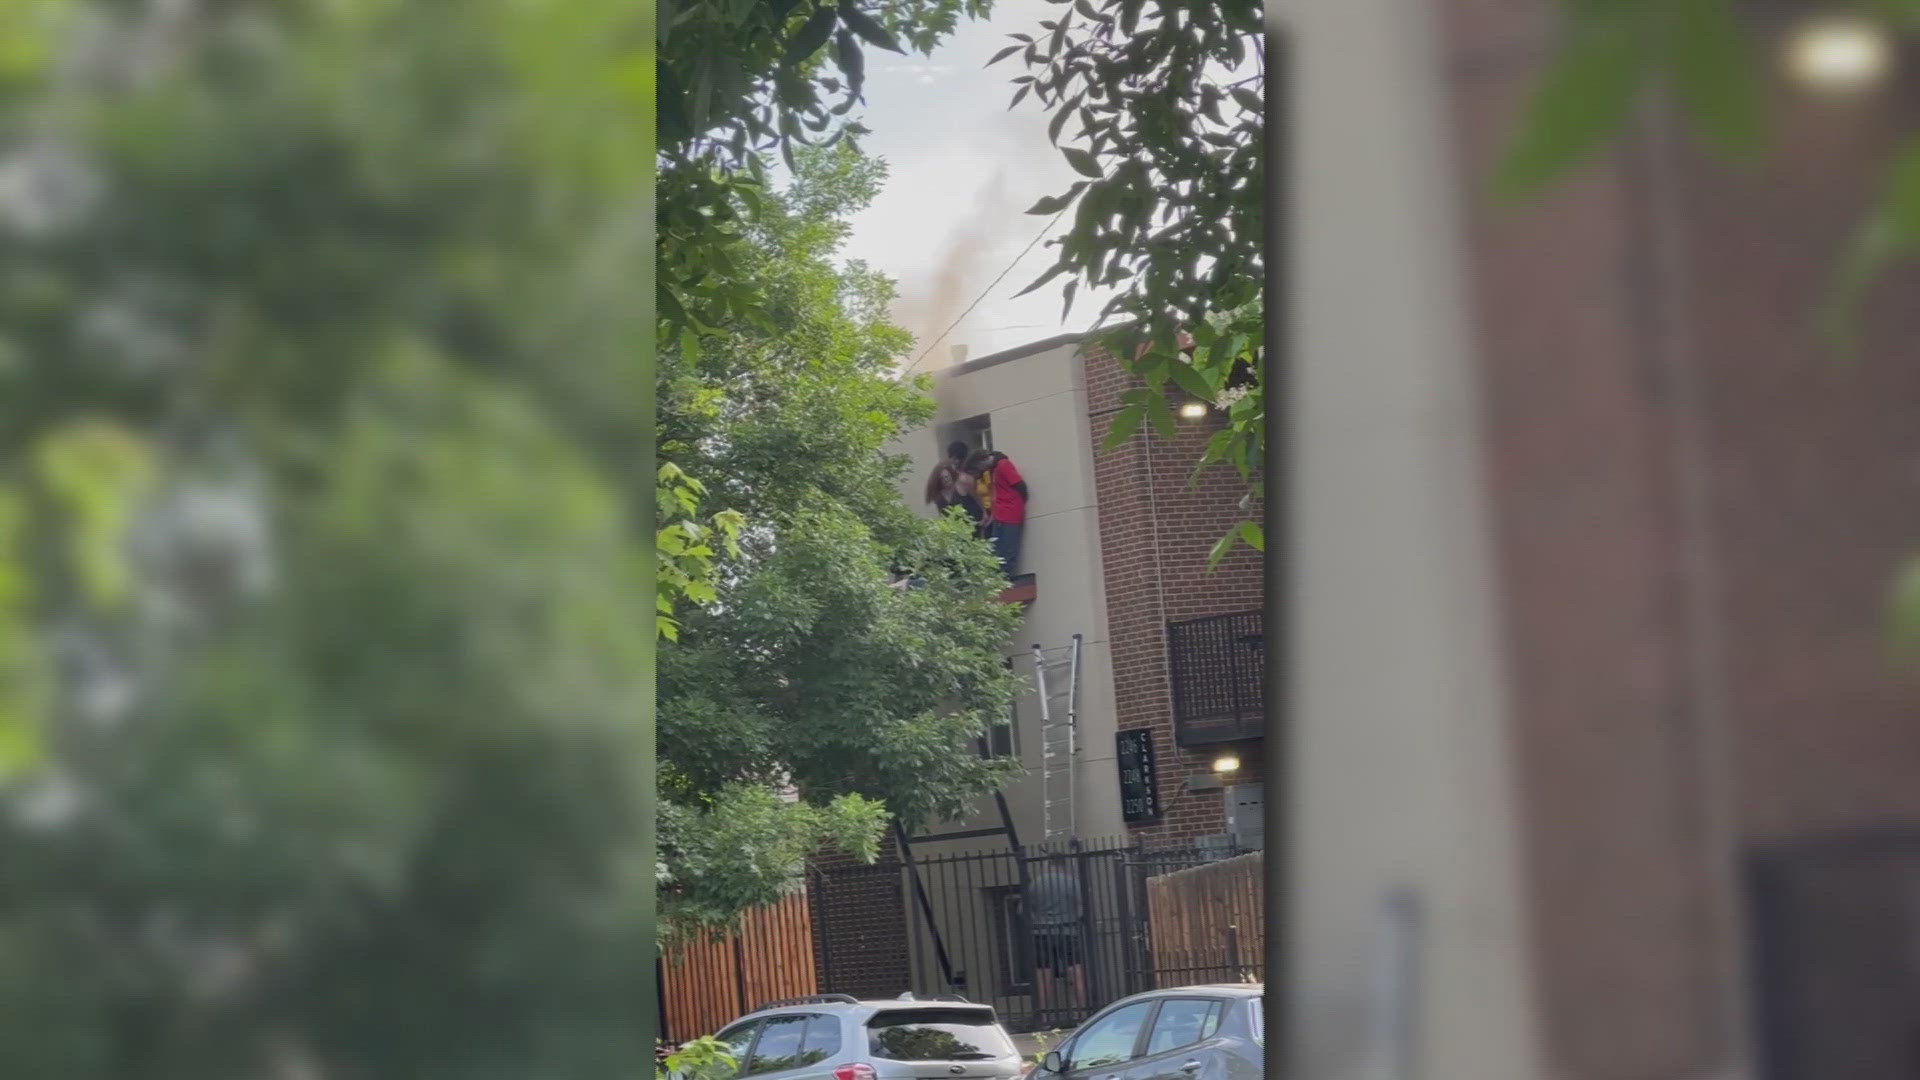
[{"x": 1139, "y": 784}]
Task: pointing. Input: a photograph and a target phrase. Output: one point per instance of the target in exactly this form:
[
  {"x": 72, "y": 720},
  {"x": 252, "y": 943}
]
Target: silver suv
[
  {"x": 836, "y": 1037},
  {"x": 1184, "y": 1033}
]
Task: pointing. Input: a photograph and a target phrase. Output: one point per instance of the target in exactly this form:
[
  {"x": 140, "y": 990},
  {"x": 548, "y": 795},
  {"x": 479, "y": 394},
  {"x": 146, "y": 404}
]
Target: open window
[{"x": 975, "y": 431}]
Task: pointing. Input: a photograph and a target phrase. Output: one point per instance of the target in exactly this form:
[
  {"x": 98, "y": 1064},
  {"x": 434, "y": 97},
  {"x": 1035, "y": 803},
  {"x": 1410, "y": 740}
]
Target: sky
[{"x": 963, "y": 170}]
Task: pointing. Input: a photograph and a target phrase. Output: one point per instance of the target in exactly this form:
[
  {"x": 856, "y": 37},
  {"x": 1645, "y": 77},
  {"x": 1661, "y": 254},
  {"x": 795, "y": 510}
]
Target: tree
[
  {"x": 322, "y": 597},
  {"x": 1168, "y": 108},
  {"x": 737, "y": 83},
  {"x": 810, "y": 673}
]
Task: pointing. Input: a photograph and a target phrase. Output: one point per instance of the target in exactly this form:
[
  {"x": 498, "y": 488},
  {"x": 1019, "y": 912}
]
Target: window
[
  {"x": 737, "y": 1040},
  {"x": 1109, "y": 1040},
  {"x": 975, "y": 431},
  {"x": 937, "y": 1035},
  {"x": 1009, "y": 907},
  {"x": 1260, "y": 1020},
  {"x": 821, "y": 1041},
  {"x": 779, "y": 1047},
  {"x": 1183, "y": 1022},
  {"x": 1003, "y": 739}
]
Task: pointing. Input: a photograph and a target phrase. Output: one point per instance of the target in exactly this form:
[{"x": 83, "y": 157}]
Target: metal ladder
[{"x": 1056, "y": 675}]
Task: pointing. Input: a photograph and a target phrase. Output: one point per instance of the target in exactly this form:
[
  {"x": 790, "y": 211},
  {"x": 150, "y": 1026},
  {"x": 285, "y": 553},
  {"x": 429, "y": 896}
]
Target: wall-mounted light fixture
[
  {"x": 1193, "y": 410},
  {"x": 1226, "y": 763},
  {"x": 1838, "y": 54}
]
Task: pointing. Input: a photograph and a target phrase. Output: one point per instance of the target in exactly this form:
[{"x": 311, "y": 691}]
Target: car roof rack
[
  {"x": 810, "y": 999},
  {"x": 911, "y": 996}
]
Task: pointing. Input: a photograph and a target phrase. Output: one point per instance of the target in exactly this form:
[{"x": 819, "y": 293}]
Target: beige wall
[
  {"x": 1399, "y": 773},
  {"x": 1038, "y": 409}
]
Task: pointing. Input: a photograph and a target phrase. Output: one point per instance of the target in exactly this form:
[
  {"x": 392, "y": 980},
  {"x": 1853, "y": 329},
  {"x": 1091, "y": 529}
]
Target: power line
[{"x": 983, "y": 294}]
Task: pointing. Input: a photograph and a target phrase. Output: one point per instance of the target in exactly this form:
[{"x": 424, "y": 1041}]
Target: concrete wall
[
  {"x": 1400, "y": 772},
  {"x": 1037, "y": 403}
]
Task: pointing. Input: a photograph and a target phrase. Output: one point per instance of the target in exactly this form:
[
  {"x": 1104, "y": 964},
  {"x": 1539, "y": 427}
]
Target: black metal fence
[
  {"x": 1218, "y": 669},
  {"x": 967, "y": 926},
  {"x": 1836, "y": 937}
]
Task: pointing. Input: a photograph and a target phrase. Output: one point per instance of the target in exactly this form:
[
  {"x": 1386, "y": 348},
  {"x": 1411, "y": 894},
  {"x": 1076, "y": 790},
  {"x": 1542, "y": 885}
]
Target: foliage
[
  {"x": 705, "y": 1058},
  {"x": 1170, "y": 137},
  {"x": 808, "y": 672},
  {"x": 323, "y": 622},
  {"x": 737, "y": 82}
]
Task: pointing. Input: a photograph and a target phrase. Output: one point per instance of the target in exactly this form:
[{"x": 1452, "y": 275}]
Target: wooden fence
[
  {"x": 1208, "y": 923},
  {"x": 706, "y": 983}
]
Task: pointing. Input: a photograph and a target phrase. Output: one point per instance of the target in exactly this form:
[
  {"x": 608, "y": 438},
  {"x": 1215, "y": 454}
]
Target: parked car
[
  {"x": 836, "y": 1037},
  {"x": 1186, "y": 1033}
]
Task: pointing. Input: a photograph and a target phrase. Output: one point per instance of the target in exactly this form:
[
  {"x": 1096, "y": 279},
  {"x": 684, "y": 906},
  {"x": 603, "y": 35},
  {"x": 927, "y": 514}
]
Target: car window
[
  {"x": 779, "y": 1046},
  {"x": 1110, "y": 1039},
  {"x": 1260, "y": 1020},
  {"x": 937, "y": 1035},
  {"x": 821, "y": 1041},
  {"x": 1183, "y": 1022},
  {"x": 737, "y": 1039}
]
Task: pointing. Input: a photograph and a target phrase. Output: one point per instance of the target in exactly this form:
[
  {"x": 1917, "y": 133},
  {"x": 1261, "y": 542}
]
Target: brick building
[
  {"x": 1116, "y": 552},
  {"x": 1590, "y": 551}
]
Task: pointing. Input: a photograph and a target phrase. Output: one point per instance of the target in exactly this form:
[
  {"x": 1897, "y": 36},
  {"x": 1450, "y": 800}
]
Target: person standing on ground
[
  {"x": 1004, "y": 497},
  {"x": 1054, "y": 913}
]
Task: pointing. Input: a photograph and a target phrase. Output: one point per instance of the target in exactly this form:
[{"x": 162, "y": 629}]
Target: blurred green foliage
[{"x": 324, "y": 620}]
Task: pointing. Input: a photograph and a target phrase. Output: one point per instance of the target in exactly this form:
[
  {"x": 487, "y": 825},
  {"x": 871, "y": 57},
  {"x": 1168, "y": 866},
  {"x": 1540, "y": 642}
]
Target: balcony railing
[{"x": 1218, "y": 669}]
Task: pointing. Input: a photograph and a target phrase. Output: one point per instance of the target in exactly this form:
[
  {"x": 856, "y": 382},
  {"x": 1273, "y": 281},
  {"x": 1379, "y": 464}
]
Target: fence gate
[{"x": 963, "y": 927}]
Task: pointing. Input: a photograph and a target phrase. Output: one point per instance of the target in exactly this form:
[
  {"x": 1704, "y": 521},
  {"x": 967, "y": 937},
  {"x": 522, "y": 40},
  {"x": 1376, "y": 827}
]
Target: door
[
  {"x": 1181, "y": 1042},
  {"x": 1104, "y": 1048}
]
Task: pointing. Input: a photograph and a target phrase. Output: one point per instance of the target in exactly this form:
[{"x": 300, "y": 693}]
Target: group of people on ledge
[{"x": 984, "y": 484}]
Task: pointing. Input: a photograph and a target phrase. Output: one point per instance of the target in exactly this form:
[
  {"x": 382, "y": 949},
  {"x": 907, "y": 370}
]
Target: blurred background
[
  {"x": 324, "y": 620},
  {"x": 1603, "y": 457}
]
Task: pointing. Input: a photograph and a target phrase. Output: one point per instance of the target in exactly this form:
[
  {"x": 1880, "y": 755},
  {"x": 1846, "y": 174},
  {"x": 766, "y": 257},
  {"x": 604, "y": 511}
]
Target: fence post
[
  {"x": 1233, "y": 951},
  {"x": 740, "y": 971}
]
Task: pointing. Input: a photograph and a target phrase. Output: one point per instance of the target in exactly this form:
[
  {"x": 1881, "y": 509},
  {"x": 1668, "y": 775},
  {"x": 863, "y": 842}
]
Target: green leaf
[
  {"x": 1161, "y": 413},
  {"x": 1221, "y": 547},
  {"x": 1001, "y": 55},
  {"x": 1053, "y": 204},
  {"x": 1583, "y": 100},
  {"x": 1125, "y": 423},
  {"x": 869, "y": 30},
  {"x": 1717, "y": 76},
  {"x": 1903, "y": 623},
  {"x": 1249, "y": 100},
  {"x": 1059, "y": 121},
  {"x": 1192, "y": 380},
  {"x": 1254, "y": 535},
  {"x": 1890, "y": 230},
  {"x": 811, "y": 35},
  {"x": 1055, "y": 271},
  {"x": 1082, "y": 162}
]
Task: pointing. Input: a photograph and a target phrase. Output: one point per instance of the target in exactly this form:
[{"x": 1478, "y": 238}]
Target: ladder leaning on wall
[{"x": 1056, "y": 676}]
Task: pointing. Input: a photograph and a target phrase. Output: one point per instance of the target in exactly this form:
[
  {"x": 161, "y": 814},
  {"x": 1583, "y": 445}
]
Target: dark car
[{"x": 1186, "y": 1033}]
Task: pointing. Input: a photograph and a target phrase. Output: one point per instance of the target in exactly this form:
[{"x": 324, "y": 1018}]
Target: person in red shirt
[{"x": 1007, "y": 516}]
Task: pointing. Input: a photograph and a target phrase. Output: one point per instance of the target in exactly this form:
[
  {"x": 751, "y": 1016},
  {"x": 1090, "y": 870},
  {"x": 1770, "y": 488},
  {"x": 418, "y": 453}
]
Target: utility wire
[{"x": 1048, "y": 227}]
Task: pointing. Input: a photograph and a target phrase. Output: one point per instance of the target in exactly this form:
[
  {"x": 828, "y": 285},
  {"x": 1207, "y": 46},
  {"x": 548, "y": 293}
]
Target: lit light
[
  {"x": 1194, "y": 410},
  {"x": 1838, "y": 54},
  {"x": 1226, "y": 763}
]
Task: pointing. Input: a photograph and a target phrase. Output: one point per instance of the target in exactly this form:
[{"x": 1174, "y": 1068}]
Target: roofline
[{"x": 1016, "y": 353}]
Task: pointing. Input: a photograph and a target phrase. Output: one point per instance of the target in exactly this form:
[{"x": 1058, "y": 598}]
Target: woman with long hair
[{"x": 949, "y": 485}]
